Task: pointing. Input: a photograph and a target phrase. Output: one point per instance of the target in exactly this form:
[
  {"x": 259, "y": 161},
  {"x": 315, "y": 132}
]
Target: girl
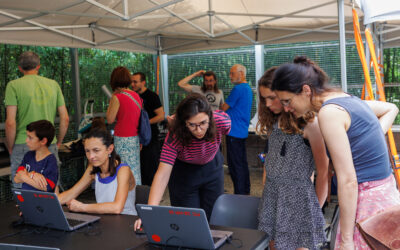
[
  {"x": 354, "y": 134},
  {"x": 293, "y": 146},
  {"x": 115, "y": 184},
  {"x": 191, "y": 159}
]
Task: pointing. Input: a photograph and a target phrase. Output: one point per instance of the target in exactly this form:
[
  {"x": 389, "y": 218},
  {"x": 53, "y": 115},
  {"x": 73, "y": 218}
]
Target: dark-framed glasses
[{"x": 193, "y": 126}]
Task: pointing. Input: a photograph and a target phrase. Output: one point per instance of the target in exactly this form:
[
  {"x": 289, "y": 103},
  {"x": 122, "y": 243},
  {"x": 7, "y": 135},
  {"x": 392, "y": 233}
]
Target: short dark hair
[
  {"x": 142, "y": 76},
  {"x": 28, "y": 60},
  {"x": 120, "y": 78},
  {"x": 190, "y": 106},
  {"x": 210, "y": 73},
  {"x": 42, "y": 129},
  {"x": 107, "y": 140}
]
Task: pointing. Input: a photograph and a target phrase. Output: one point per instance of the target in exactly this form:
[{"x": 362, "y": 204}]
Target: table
[{"x": 111, "y": 232}]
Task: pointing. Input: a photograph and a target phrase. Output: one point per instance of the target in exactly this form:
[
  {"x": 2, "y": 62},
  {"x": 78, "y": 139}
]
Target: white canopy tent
[{"x": 176, "y": 26}]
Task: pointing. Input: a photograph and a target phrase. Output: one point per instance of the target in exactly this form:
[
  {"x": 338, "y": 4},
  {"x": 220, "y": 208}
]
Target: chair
[
  {"x": 233, "y": 210},
  {"x": 142, "y": 194}
]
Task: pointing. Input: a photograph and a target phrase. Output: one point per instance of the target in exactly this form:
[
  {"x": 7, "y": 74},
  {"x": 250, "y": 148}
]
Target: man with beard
[
  {"x": 209, "y": 89},
  {"x": 150, "y": 154}
]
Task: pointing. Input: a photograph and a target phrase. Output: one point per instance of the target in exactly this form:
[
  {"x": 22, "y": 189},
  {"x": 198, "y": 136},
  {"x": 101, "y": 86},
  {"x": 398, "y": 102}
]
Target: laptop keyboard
[
  {"x": 215, "y": 239},
  {"x": 73, "y": 222}
]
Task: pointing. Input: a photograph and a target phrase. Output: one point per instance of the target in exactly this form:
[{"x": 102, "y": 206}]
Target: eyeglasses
[{"x": 193, "y": 126}]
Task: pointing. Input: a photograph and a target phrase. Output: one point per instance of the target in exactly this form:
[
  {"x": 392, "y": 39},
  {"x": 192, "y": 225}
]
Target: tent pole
[
  {"x": 342, "y": 44},
  {"x": 259, "y": 59},
  {"x": 164, "y": 82},
  {"x": 76, "y": 86}
]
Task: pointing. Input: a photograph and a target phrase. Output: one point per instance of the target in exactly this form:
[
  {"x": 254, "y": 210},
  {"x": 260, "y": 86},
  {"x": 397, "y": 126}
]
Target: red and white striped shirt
[{"x": 198, "y": 151}]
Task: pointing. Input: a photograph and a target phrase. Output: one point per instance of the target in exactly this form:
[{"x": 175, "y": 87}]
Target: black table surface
[{"x": 111, "y": 232}]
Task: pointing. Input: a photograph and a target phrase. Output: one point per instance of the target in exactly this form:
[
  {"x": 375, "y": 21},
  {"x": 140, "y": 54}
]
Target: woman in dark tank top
[{"x": 350, "y": 128}]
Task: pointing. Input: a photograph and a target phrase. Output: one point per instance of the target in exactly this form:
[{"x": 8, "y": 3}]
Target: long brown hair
[
  {"x": 187, "y": 108},
  {"x": 204, "y": 88},
  {"x": 266, "y": 118}
]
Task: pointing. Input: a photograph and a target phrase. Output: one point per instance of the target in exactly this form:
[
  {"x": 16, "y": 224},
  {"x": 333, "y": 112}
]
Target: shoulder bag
[{"x": 144, "y": 124}]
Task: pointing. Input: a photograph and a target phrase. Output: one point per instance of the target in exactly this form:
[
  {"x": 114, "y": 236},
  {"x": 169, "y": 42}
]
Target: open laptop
[
  {"x": 179, "y": 226},
  {"x": 43, "y": 209}
]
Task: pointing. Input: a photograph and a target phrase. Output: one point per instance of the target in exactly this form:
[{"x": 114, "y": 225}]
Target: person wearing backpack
[{"x": 126, "y": 113}]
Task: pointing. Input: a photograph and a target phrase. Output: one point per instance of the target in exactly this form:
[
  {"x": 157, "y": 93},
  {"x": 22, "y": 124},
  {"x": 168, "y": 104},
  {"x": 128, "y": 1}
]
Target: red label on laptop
[
  {"x": 183, "y": 213},
  {"x": 20, "y": 198},
  {"x": 43, "y": 196},
  {"x": 156, "y": 238}
]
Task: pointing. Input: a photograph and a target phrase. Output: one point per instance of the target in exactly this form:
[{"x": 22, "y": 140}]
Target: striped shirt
[{"x": 198, "y": 151}]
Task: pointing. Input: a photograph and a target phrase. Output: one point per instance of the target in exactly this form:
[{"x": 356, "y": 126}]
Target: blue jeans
[
  {"x": 18, "y": 152},
  {"x": 237, "y": 164}
]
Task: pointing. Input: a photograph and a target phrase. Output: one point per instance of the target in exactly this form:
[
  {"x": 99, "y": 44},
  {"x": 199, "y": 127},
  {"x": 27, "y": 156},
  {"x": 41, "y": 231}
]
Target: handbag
[
  {"x": 382, "y": 230},
  {"x": 144, "y": 124}
]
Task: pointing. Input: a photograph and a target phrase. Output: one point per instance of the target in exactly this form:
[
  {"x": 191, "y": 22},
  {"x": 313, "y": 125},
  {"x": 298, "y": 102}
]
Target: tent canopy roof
[{"x": 175, "y": 26}]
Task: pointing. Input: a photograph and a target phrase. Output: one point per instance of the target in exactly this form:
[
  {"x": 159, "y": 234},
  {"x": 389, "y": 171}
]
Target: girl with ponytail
[{"x": 354, "y": 132}]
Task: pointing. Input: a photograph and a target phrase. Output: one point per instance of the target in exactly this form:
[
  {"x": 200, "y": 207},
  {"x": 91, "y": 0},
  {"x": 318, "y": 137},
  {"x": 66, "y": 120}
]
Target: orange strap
[{"x": 380, "y": 90}]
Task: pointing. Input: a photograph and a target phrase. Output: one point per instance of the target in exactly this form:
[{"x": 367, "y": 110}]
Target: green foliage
[{"x": 95, "y": 67}]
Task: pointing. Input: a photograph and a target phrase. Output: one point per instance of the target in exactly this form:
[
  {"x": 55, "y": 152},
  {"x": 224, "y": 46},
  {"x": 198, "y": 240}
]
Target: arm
[
  {"x": 11, "y": 127},
  {"x": 225, "y": 106},
  {"x": 31, "y": 178},
  {"x": 264, "y": 176},
  {"x": 114, "y": 207},
  {"x": 78, "y": 188},
  {"x": 313, "y": 133},
  {"x": 184, "y": 82},
  {"x": 159, "y": 115},
  {"x": 112, "y": 109},
  {"x": 64, "y": 121},
  {"x": 334, "y": 122},
  {"x": 386, "y": 113},
  {"x": 160, "y": 181}
]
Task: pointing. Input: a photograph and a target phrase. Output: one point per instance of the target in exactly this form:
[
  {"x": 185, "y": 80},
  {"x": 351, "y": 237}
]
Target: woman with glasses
[
  {"x": 353, "y": 131},
  {"x": 295, "y": 149},
  {"x": 191, "y": 160}
]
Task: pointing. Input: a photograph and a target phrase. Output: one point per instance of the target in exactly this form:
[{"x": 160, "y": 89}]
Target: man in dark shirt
[{"x": 150, "y": 154}]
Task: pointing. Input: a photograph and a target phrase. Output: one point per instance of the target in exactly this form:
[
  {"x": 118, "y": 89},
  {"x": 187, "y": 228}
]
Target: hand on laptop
[
  {"x": 76, "y": 206},
  {"x": 138, "y": 224}
]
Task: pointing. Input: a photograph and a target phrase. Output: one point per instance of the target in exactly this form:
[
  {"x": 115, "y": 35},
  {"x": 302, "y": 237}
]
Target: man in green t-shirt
[{"x": 28, "y": 99}]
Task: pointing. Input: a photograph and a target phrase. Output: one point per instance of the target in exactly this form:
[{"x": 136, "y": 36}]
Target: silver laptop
[
  {"x": 179, "y": 226},
  {"x": 43, "y": 209}
]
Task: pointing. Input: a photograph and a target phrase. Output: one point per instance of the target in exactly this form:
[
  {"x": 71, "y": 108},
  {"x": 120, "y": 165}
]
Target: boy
[{"x": 38, "y": 170}]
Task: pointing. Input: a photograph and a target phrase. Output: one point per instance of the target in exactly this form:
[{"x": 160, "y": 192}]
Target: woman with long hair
[
  {"x": 294, "y": 150},
  {"x": 124, "y": 108},
  {"x": 115, "y": 184},
  {"x": 354, "y": 134},
  {"x": 191, "y": 160}
]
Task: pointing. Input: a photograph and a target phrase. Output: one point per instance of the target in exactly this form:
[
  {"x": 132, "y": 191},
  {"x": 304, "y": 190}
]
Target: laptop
[
  {"x": 179, "y": 226},
  {"x": 43, "y": 209}
]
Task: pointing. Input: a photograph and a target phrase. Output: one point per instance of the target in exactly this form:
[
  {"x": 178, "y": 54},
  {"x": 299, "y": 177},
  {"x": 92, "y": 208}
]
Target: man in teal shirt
[{"x": 28, "y": 99}]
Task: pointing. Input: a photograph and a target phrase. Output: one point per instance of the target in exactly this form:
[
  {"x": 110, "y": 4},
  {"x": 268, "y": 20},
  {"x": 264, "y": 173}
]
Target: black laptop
[
  {"x": 179, "y": 226},
  {"x": 43, "y": 209}
]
